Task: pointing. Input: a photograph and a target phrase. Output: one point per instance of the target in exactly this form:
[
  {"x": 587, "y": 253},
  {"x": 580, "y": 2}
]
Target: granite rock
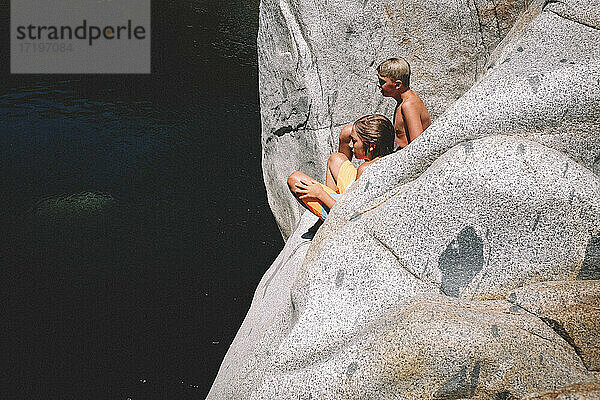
[
  {"x": 541, "y": 84},
  {"x": 488, "y": 216},
  {"x": 438, "y": 348}
]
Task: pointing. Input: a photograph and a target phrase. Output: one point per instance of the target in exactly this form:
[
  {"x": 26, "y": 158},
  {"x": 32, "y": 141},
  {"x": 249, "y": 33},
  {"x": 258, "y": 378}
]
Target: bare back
[{"x": 411, "y": 118}]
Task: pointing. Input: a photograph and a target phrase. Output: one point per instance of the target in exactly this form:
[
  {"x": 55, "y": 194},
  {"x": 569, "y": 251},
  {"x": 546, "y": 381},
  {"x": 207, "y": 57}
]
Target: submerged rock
[
  {"x": 464, "y": 266},
  {"x": 78, "y": 205}
]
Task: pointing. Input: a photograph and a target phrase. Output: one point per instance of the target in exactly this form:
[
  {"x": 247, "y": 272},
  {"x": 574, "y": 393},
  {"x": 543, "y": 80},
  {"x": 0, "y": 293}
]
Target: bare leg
[
  {"x": 294, "y": 178},
  {"x": 313, "y": 205},
  {"x": 344, "y": 145},
  {"x": 334, "y": 163}
]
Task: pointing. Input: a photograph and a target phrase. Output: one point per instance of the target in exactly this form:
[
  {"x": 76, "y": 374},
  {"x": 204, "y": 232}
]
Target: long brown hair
[{"x": 376, "y": 131}]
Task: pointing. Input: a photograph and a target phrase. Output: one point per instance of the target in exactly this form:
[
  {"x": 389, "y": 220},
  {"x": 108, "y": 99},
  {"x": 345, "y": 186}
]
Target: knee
[
  {"x": 345, "y": 134},
  {"x": 336, "y": 160},
  {"x": 293, "y": 179}
]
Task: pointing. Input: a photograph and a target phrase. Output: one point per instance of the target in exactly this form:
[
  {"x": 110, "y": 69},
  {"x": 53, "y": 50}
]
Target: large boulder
[
  {"x": 317, "y": 73},
  {"x": 464, "y": 266},
  {"x": 437, "y": 348}
]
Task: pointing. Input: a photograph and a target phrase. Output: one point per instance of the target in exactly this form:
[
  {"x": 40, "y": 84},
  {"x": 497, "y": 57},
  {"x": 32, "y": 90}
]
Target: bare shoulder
[
  {"x": 413, "y": 102},
  {"x": 361, "y": 169},
  {"x": 415, "y": 107},
  {"x": 363, "y": 166},
  {"x": 411, "y": 107},
  {"x": 420, "y": 107}
]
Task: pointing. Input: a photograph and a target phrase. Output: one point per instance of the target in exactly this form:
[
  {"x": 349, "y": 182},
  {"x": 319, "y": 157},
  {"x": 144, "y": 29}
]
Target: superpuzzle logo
[{"x": 80, "y": 36}]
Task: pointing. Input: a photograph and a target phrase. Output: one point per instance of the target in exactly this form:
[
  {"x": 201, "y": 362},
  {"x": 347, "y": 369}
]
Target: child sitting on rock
[
  {"x": 411, "y": 117},
  {"x": 371, "y": 137}
]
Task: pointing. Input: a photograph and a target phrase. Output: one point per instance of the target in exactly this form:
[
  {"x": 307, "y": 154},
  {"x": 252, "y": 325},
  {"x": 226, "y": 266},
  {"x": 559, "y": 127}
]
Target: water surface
[{"x": 134, "y": 219}]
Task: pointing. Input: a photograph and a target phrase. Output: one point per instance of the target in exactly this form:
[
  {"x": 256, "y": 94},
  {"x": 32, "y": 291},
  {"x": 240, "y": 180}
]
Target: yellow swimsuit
[{"x": 346, "y": 177}]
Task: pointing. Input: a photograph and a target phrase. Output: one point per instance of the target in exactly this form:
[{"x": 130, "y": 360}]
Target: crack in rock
[
  {"x": 401, "y": 264},
  {"x": 287, "y": 129},
  {"x": 562, "y": 332}
]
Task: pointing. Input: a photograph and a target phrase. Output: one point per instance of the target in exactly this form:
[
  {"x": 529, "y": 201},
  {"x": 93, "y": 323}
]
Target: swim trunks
[{"x": 346, "y": 177}]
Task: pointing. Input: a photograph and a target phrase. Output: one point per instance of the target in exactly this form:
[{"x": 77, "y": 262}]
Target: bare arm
[
  {"x": 361, "y": 169},
  {"x": 363, "y": 166},
  {"x": 412, "y": 119}
]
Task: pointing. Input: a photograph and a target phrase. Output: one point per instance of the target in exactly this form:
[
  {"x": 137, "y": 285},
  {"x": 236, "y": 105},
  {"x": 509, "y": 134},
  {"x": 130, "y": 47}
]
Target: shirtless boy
[{"x": 411, "y": 117}]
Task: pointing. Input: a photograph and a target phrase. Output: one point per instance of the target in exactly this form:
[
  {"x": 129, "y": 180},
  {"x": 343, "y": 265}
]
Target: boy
[{"x": 411, "y": 117}]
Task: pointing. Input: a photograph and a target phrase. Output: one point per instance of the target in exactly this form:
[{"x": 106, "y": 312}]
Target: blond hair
[
  {"x": 376, "y": 131},
  {"x": 397, "y": 69}
]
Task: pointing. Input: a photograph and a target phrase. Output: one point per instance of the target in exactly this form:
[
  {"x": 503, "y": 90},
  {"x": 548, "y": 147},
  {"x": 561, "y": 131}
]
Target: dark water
[{"x": 133, "y": 216}]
